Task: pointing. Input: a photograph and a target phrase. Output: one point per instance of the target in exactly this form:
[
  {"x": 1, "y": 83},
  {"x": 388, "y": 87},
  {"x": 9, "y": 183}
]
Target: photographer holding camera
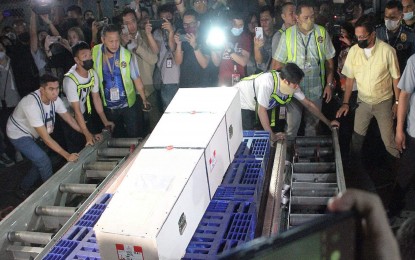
[
  {"x": 234, "y": 57},
  {"x": 191, "y": 53}
]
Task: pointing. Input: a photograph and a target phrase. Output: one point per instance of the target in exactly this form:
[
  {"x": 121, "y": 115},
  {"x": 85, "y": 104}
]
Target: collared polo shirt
[{"x": 374, "y": 74}]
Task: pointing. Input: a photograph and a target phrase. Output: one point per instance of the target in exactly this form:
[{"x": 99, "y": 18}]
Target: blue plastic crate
[
  {"x": 254, "y": 148},
  {"x": 225, "y": 225},
  {"x": 234, "y": 193},
  {"x": 244, "y": 172},
  {"x": 252, "y": 133},
  {"x": 61, "y": 250},
  {"x": 90, "y": 218},
  {"x": 79, "y": 242}
]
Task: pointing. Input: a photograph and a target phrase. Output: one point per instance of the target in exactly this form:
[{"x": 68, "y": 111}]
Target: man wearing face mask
[
  {"x": 79, "y": 84},
  {"x": 232, "y": 60},
  {"x": 374, "y": 66},
  {"x": 408, "y": 13},
  {"x": 400, "y": 37},
  {"x": 191, "y": 54},
  {"x": 310, "y": 47}
]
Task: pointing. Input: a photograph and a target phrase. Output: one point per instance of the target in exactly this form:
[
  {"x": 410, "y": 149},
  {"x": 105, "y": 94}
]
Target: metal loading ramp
[
  {"x": 300, "y": 187},
  {"x": 43, "y": 218}
]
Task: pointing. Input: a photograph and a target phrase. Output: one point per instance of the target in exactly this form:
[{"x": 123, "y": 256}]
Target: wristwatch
[{"x": 331, "y": 85}]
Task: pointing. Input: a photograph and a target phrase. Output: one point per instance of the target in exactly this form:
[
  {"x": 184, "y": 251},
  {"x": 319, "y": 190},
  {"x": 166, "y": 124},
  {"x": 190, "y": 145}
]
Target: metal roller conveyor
[
  {"x": 92, "y": 174},
  {"x": 316, "y": 167},
  {"x": 100, "y": 166},
  {"x": 55, "y": 211},
  {"x": 313, "y": 141},
  {"x": 123, "y": 142},
  {"x": 114, "y": 152},
  {"x": 38, "y": 223},
  {"x": 30, "y": 237},
  {"x": 314, "y": 175},
  {"x": 313, "y": 151},
  {"x": 299, "y": 219},
  {"x": 77, "y": 188}
]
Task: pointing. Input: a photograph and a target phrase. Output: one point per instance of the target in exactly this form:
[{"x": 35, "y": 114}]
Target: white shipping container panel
[
  {"x": 199, "y": 130},
  {"x": 157, "y": 208},
  {"x": 224, "y": 101}
]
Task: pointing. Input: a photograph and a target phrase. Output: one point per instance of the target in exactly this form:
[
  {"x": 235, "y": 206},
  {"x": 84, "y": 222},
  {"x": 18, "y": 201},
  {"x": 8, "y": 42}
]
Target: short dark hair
[
  {"x": 300, "y": 6},
  {"x": 127, "y": 11},
  {"x": 193, "y": 13},
  {"x": 74, "y": 8},
  {"x": 166, "y": 8},
  {"x": 394, "y": 4},
  {"x": 292, "y": 73},
  {"x": 237, "y": 15},
  {"x": 78, "y": 47},
  {"x": 366, "y": 21},
  {"x": 267, "y": 8},
  {"x": 284, "y": 6},
  {"x": 110, "y": 28},
  {"x": 88, "y": 11},
  {"x": 46, "y": 78}
]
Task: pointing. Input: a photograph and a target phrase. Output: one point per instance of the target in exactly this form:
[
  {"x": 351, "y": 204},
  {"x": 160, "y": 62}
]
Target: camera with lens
[
  {"x": 42, "y": 6},
  {"x": 102, "y": 22},
  {"x": 156, "y": 24}
]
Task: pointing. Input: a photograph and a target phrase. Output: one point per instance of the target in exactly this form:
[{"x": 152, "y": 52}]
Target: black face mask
[
  {"x": 363, "y": 43},
  {"x": 88, "y": 64}
]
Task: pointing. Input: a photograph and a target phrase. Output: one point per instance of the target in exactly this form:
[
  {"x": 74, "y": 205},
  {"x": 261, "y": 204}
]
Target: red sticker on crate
[{"x": 128, "y": 252}]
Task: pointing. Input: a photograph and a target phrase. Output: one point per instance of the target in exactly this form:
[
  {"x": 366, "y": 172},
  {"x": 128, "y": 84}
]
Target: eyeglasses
[
  {"x": 187, "y": 25},
  {"x": 363, "y": 37},
  {"x": 200, "y": 2}
]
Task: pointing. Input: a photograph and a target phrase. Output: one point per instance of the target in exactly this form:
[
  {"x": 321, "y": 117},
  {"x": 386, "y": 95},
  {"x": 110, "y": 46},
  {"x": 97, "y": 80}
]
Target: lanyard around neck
[
  {"x": 397, "y": 37},
  {"x": 109, "y": 63}
]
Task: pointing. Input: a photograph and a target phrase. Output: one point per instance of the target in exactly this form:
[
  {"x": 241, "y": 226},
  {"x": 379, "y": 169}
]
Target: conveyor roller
[
  {"x": 96, "y": 174},
  {"x": 55, "y": 211},
  {"x": 114, "y": 152},
  {"x": 100, "y": 166},
  {"x": 77, "y": 188},
  {"x": 123, "y": 142},
  {"x": 313, "y": 141},
  {"x": 30, "y": 237}
]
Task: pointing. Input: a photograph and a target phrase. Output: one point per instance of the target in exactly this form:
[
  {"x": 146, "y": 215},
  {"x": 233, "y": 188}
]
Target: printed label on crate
[
  {"x": 128, "y": 252},
  {"x": 212, "y": 161}
]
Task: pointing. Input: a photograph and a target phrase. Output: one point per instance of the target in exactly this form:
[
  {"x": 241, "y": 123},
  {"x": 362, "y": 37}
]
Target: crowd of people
[{"x": 288, "y": 60}]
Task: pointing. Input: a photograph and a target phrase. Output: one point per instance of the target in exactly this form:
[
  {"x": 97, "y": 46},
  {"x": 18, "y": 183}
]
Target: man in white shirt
[
  {"x": 34, "y": 117},
  {"x": 79, "y": 84},
  {"x": 265, "y": 91}
]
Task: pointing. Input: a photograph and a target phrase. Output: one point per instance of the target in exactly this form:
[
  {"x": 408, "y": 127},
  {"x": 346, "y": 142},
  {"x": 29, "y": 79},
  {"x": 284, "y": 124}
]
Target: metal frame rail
[
  {"x": 299, "y": 190},
  {"x": 45, "y": 216}
]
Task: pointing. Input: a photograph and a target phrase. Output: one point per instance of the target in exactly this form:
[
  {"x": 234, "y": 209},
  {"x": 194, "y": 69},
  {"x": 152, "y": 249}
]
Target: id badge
[
  {"x": 114, "y": 94},
  {"x": 282, "y": 114},
  {"x": 307, "y": 67},
  {"x": 49, "y": 126},
  {"x": 169, "y": 63}
]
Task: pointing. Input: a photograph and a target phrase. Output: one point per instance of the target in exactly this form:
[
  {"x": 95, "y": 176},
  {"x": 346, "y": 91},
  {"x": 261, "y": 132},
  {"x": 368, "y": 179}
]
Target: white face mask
[
  {"x": 2, "y": 55},
  {"x": 391, "y": 24},
  {"x": 408, "y": 16},
  {"x": 237, "y": 31}
]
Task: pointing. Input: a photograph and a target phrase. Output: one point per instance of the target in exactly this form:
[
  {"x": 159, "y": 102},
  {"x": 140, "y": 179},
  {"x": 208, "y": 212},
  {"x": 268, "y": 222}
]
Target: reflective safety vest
[
  {"x": 87, "y": 86},
  {"x": 319, "y": 37},
  {"x": 273, "y": 95},
  {"x": 125, "y": 57},
  {"x": 276, "y": 87}
]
